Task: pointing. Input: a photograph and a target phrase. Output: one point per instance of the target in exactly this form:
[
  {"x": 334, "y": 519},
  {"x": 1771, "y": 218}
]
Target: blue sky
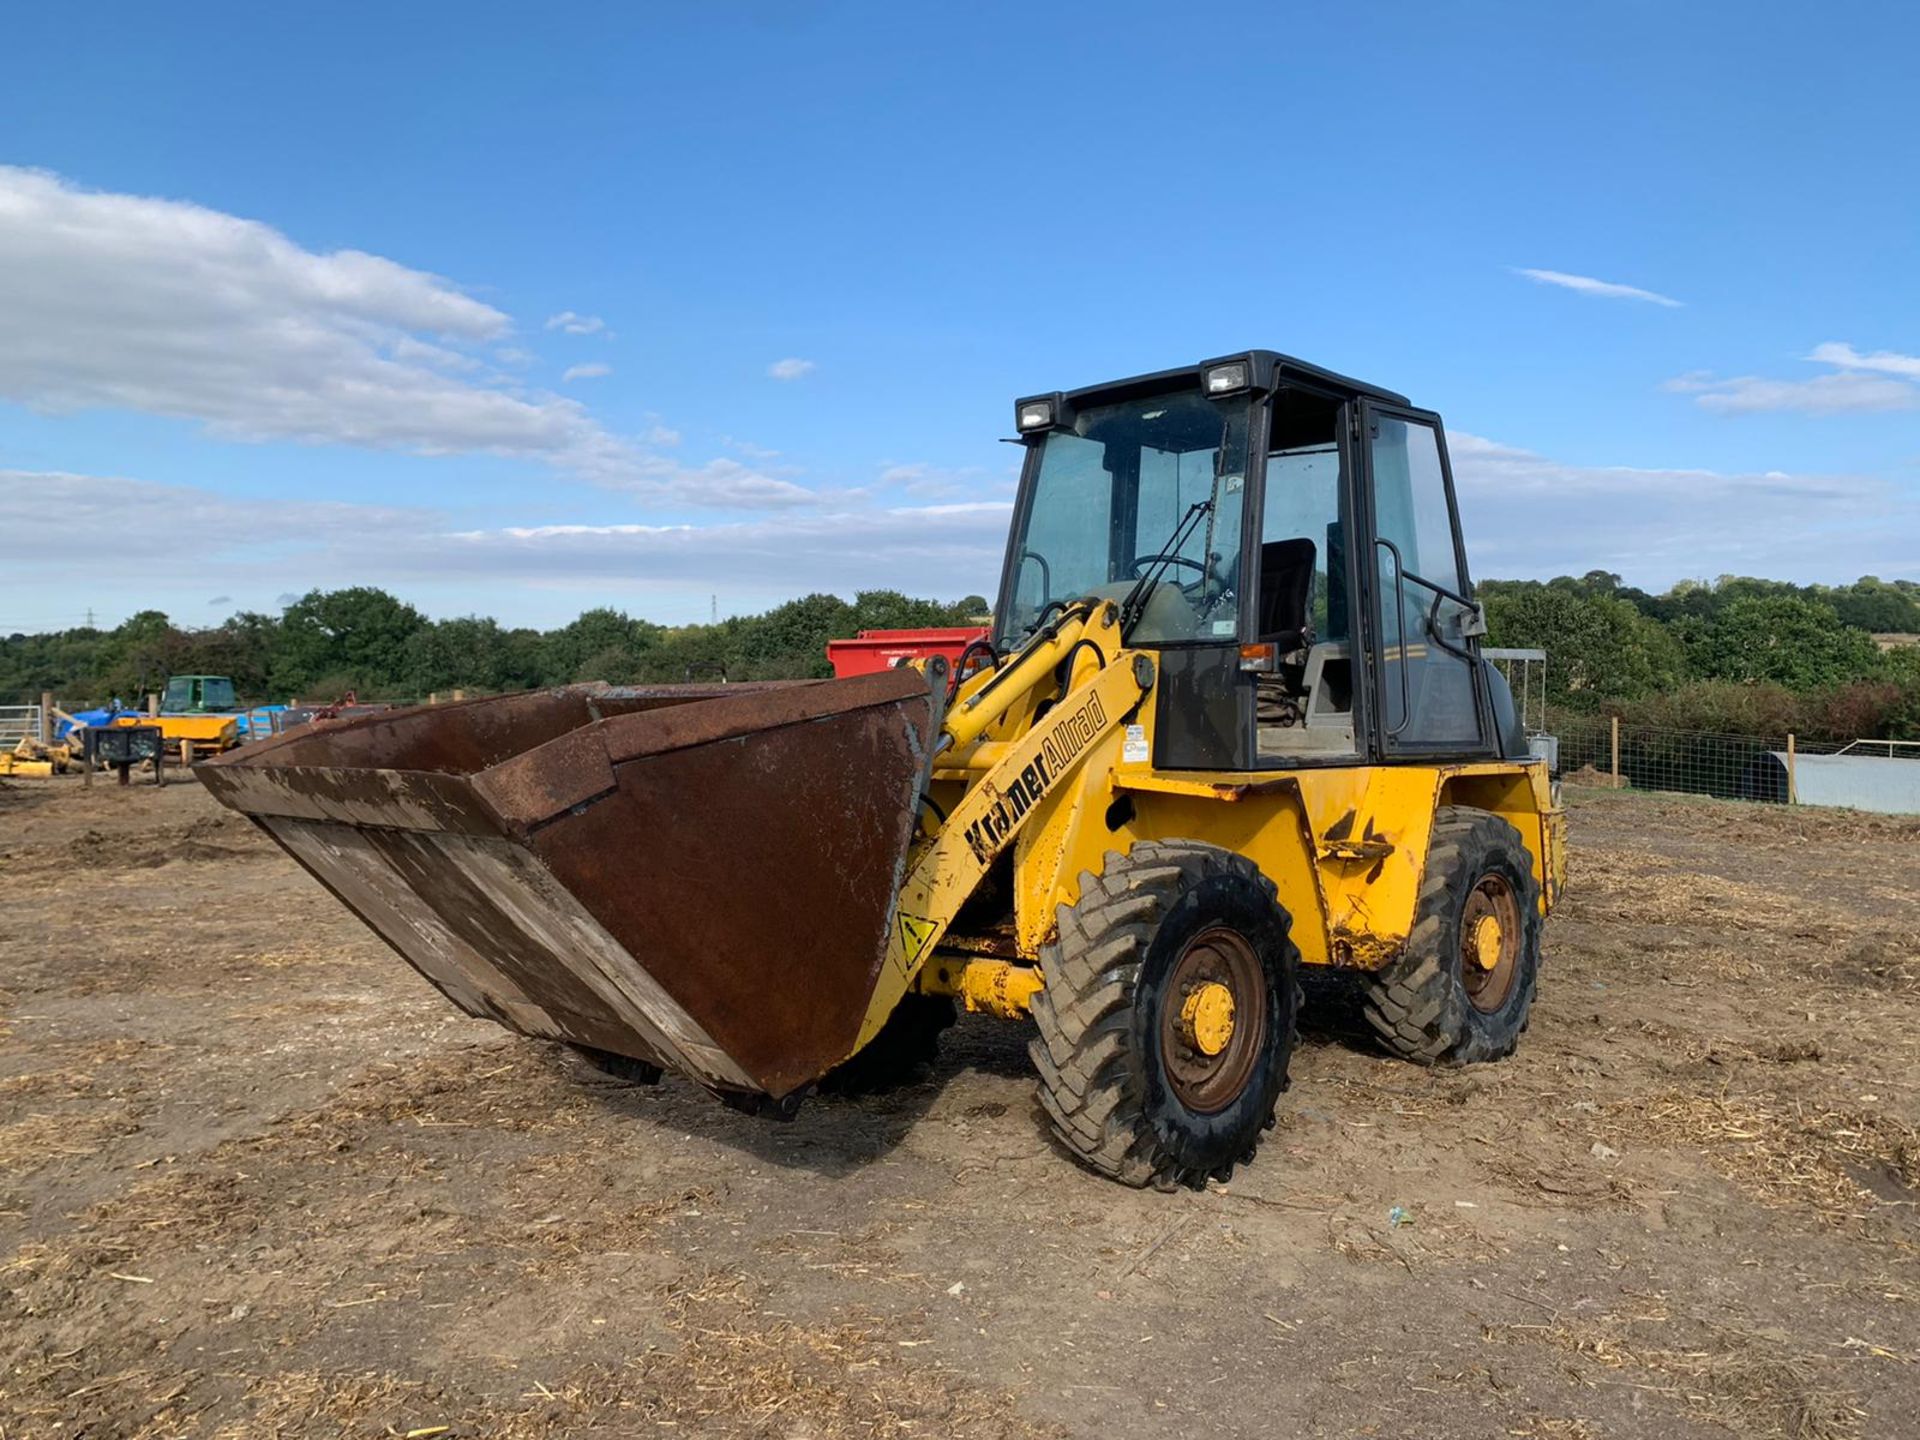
[{"x": 488, "y": 304}]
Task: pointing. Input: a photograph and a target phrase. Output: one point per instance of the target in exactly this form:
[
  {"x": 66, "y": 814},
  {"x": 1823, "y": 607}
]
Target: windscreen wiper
[{"x": 1135, "y": 605}]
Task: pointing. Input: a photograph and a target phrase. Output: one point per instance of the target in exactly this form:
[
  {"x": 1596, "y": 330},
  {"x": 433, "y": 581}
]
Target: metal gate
[{"x": 17, "y": 723}]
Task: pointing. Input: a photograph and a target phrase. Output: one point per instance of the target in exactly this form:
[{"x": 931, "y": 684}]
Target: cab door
[{"x": 1429, "y": 698}]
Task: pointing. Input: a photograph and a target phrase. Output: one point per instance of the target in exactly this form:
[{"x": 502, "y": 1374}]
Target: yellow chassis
[
  {"x": 186, "y": 736},
  {"x": 1345, "y": 844}
]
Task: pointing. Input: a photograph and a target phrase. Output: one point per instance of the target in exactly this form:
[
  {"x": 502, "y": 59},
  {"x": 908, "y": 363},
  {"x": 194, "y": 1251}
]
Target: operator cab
[
  {"x": 1288, "y": 540},
  {"x": 199, "y": 695}
]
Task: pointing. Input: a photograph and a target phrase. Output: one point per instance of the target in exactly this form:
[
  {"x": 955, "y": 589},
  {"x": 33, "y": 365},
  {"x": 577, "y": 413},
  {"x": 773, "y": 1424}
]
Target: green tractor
[{"x": 199, "y": 695}]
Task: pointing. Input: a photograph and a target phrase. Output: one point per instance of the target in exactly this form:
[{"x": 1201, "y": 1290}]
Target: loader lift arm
[{"x": 946, "y": 868}]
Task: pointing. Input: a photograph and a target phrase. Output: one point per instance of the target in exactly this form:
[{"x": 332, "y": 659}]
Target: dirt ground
[{"x": 258, "y": 1179}]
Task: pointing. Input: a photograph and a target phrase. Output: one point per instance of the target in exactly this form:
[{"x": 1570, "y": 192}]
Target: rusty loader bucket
[{"x": 699, "y": 877}]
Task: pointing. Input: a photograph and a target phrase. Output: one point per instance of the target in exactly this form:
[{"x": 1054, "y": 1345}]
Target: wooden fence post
[
  {"x": 153, "y": 703},
  {"x": 46, "y": 717},
  {"x": 1793, "y": 780},
  {"x": 1616, "y": 752}
]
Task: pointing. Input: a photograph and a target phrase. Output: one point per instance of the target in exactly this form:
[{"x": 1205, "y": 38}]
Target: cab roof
[{"x": 1269, "y": 367}]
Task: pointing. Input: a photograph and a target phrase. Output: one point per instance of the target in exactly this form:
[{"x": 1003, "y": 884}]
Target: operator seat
[
  {"x": 1286, "y": 587},
  {"x": 1286, "y": 622}
]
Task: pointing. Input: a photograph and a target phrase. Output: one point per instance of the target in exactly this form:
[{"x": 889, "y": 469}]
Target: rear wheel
[
  {"x": 1463, "y": 988},
  {"x": 1167, "y": 1021}
]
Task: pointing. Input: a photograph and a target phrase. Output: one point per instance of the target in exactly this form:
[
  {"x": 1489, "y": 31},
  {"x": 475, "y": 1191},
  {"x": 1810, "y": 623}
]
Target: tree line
[
  {"x": 364, "y": 640},
  {"x": 1742, "y": 655},
  {"x": 1738, "y": 655}
]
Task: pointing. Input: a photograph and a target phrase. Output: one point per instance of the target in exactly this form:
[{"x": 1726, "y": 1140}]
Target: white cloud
[
  {"x": 749, "y": 449},
  {"x": 1587, "y": 285},
  {"x": 1525, "y": 515},
  {"x": 1835, "y": 352},
  {"x": 184, "y": 535},
  {"x": 936, "y": 482},
  {"x": 928, "y": 549},
  {"x": 1529, "y": 515},
  {"x": 1848, "y": 392},
  {"x": 101, "y": 523},
  {"x": 568, "y": 323},
  {"x": 792, "y": 368},
  {"x": 719, "y": 481},
  {"x": 592, "y": 370},
  {"x": 1862, "y": 384},
  {"x": 165, "y": 307}
]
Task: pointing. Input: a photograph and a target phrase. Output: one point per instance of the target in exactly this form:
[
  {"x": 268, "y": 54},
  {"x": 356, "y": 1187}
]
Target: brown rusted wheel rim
[
  {"x": 1213, "y": 1020},
  {"x": 1490, "y": 942}
]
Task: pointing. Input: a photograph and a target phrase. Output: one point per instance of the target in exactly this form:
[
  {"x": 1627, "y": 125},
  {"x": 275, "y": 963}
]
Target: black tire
[
  {"x": 618, "y": 1067},
  {"x": 904, "y": 1047},
  {"x": 1434, "y": 1004},
  {"x": 1117, "y": 1083}
]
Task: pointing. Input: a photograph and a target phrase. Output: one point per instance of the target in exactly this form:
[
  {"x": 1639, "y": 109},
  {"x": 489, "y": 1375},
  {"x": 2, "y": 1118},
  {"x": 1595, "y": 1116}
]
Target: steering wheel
[{"x": 1141, "y": 562}]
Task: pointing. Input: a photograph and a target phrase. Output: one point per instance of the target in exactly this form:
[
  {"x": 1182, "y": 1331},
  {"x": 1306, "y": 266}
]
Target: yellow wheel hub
[
  {"x": 1488, "y": 941},
  {"x": 1206, "y": 1017}
]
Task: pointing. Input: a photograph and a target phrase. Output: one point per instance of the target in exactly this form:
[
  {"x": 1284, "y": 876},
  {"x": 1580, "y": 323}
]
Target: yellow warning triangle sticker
[{"x": 915, "y": 932}]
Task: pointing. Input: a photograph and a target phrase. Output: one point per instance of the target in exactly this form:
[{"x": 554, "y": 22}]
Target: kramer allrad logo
[{"x": 1069, "y": 736}]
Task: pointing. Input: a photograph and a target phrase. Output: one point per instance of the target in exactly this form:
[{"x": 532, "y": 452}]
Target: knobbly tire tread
[
  {"x": 905, "y": 1046},
  {"x": 1416, "y": 1005},
  {"x": 1089, "y": 1048}
]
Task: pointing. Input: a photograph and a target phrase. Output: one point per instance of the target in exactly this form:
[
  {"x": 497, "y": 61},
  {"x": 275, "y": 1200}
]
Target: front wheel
[
  {"x": 1462, "y": 990},
  {"x": 1167, "y": 1021}
]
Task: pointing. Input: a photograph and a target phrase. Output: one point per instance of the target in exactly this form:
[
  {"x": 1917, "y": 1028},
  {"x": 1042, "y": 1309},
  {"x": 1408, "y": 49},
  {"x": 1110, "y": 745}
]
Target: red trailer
[{"x": 872, "y": 651}]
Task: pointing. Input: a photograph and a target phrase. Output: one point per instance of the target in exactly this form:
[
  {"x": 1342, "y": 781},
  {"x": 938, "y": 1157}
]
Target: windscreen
[
  {"x": 1109, "y": 493},
  {"x": 199, "y": 692}
]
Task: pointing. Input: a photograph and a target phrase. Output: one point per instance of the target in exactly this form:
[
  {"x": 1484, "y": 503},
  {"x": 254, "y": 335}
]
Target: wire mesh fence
[{"x": 1882, "y": 775}]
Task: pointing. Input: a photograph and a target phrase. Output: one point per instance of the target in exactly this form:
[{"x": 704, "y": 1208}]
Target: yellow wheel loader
[{"x": 1232, "y": 720}]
